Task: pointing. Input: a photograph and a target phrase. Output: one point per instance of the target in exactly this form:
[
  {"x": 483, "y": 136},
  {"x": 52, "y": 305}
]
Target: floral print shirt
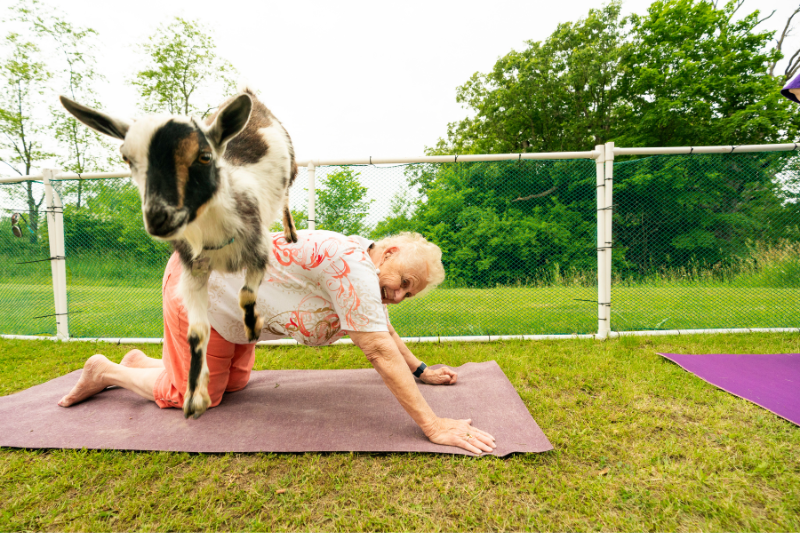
[{"x": 314, "y": 291}]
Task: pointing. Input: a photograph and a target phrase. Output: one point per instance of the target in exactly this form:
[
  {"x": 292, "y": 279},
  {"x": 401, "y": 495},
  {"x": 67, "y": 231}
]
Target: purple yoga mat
[
  {"x": 278, "y": 411},
  {"x": 771, "y": 381}
]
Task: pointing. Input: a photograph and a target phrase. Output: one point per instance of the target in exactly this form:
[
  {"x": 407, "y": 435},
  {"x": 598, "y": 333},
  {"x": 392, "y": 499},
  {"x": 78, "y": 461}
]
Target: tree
[
  {"x": 183, "y": 75},
  {"x": 82, "y": 149},
  {"x": 695, "y": 76},
  {"x": 686, "y": 73},
  {"x": 23, "y": 76},
  {"x": 341, "y": 204},
  {"x": 556, "y": 95},
  {"x": 793, "y": 65}
]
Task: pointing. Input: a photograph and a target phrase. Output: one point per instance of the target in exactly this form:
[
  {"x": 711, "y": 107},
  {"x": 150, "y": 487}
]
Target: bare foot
[
  {"x": 137, "y": 359},
  {"x": 91, "y": 381}
]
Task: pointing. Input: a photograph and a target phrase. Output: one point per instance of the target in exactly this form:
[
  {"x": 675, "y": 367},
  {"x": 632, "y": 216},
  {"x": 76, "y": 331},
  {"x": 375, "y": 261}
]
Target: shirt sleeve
[{"x": 352, "y": 284}]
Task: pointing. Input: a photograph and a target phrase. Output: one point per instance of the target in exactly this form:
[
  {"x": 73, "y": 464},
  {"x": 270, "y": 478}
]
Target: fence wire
[
  {"x": 700, "y": 241},
  {"x": 26, "y": 284},
  {"x": 517, "y": 239},
  {"x": 706, "y": 242}
]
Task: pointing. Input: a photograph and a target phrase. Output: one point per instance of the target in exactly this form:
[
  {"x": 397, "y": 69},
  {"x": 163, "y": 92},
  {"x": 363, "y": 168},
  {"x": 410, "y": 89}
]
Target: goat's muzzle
[{"x": 164, "y": 221}]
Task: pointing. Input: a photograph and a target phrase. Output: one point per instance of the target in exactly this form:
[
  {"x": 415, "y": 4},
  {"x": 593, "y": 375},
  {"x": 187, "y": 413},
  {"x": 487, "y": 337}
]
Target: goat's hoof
[
  {"x": 290, "y": 235},
  {"x": 254, "y": 333},
  {"x": 196, "y": 404}
]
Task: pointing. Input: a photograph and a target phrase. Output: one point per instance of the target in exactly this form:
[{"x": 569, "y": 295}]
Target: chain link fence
[
  {"x": 26, "y": 283},
  {"x": 517, "y": 239},
  {"x": 706, "y": 242},
  {"x": 700, "y": 241}
]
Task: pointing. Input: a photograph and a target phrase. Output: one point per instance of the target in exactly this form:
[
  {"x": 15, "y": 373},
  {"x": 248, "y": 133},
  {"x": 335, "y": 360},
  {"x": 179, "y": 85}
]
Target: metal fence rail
[{"x": 607, "y": 242}]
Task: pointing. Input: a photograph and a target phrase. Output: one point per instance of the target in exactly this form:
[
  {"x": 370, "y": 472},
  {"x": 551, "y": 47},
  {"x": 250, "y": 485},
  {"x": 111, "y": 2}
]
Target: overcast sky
[{"x": 348, "y": 78}]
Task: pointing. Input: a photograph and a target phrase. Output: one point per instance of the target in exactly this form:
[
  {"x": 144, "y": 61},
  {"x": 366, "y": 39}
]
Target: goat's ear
[
  {"x": 113, "y": 127},
  {"x": 231, "y": 120}
]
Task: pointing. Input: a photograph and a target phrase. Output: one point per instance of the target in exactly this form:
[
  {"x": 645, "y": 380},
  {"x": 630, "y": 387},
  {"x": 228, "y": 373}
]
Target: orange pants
[{"x": 229, "y": 364}]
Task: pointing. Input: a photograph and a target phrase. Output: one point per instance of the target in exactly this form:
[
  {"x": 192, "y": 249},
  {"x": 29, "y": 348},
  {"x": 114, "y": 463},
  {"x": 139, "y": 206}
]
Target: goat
[{"x": 212, "y": 190}]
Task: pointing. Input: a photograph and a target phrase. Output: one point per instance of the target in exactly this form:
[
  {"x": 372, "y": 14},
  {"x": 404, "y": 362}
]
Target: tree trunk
[{"x": 33, "y": 214}]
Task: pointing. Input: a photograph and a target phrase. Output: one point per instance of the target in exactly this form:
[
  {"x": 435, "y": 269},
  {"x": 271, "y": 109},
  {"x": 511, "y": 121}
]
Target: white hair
[{"x": 413, "y": 248}]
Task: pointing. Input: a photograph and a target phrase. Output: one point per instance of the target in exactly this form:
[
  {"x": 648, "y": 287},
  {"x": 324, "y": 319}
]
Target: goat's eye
[
  {"x": 125, "y": 158},
  {"x": 204, "y": 158}
]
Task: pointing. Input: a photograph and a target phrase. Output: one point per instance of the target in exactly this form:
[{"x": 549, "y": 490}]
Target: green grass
[
  {"x": 118, "y": 296},
  {"x": 639, "y": 443},
  {"x": 97, "y": 311}
]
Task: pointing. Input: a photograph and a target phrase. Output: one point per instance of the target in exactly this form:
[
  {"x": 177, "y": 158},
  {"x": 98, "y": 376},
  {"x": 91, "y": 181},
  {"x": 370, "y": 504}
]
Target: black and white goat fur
[{"x": 212, "y": 189}]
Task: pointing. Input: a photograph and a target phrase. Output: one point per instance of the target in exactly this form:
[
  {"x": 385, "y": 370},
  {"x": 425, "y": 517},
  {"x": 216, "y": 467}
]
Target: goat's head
[{"x": 173, "y": 159}]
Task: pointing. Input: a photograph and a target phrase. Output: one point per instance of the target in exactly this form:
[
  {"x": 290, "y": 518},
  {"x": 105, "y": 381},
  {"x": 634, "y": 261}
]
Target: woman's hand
[
  {"x": 439, "y": 376},
  {"x": 460, "y": 433}
]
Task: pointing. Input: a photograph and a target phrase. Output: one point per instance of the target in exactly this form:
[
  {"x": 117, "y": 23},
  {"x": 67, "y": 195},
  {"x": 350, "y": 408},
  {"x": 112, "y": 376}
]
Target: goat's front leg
[
  {"x": 194, "y": 290},
  {"x": 253, "y": 322}
]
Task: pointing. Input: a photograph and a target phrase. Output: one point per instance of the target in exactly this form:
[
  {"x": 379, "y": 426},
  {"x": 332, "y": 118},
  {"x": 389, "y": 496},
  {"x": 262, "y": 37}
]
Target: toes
[{"x": 90, "y": 383}]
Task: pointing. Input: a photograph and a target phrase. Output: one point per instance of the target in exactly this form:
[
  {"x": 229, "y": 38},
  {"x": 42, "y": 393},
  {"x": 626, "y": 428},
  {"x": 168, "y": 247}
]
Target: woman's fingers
[
  {"x": 461, "y": 433},
  {"x": 439, "y": 376},
  {"x": 477, "y": 444},
  {"x": 472, "y": 438},
  {"x": 484, "y": 434}
]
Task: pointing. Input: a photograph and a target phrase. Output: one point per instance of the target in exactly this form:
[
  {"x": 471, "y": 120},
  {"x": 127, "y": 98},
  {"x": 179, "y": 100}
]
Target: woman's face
[{"x": 400, "y": 279}]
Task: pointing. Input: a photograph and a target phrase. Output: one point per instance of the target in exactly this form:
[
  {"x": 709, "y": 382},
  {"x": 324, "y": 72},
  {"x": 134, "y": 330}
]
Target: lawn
[
  {"x": 117, "y": 311},
  {"x": 639, "y": 443}
]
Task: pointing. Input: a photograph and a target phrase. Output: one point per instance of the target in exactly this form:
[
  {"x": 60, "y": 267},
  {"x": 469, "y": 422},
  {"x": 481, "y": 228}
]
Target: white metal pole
[
  {"x": 609, "y": 211},
  {"x": 312, "y": 197},
  {"x": 58, "y": 267},
  {"x": 602, "y": 319}
]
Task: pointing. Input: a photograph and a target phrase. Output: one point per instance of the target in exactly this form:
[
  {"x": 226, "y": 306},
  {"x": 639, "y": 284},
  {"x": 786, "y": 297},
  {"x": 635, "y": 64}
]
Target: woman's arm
[
  {"x": 382, "y": 351},
  {"x": 438, "y": 376}
]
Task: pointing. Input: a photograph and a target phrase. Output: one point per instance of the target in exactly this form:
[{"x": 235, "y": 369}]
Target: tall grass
[{"x": 764, "y": 265}]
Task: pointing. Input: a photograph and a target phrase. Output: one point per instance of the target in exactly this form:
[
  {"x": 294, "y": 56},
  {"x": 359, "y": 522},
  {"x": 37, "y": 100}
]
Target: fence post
[
  {"x": 312, "y": 196},
  {"x": 602, "y": 309},
  {"x": 609, "y": 245},
  {"x": 58, "y": 266}
]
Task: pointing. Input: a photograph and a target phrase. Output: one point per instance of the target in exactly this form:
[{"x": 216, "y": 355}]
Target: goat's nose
[{"x": 158, "y": 222}]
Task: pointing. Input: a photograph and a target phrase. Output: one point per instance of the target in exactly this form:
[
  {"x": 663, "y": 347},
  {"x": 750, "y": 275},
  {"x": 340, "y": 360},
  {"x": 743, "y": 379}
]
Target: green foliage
[
  {"x": 556, "y": 95},
  {"x": 110, "y": 221},
  {"x": 693, "y": 75},
  {"x": 531, "y": 221},
  {"x": 705, "y": 209},
  {"x": 502, "y": 223},
  {"x": 685, "y": 73},
  {"x": 341, "y": 203},
  {"x": 183, "y": 75},
  {"x": 300, "y": 217},
  {"x": 23, "y": 75},
  {"x": 22, "y": 79}
]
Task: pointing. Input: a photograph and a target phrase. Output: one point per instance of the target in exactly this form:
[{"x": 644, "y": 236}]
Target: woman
[{"x": 316, "y": 290}]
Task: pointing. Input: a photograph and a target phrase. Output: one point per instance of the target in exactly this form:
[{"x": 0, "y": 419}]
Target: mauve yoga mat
[
  {"x": 278, "y": 411},
  {"x": 771, "y": 381}
]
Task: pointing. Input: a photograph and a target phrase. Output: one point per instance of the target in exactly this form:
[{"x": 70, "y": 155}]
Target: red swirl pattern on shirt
[
  {"x": 313, "y": 323},
  {"x": 336, "y": 270},
  {"x": 307, "y": 257}
]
